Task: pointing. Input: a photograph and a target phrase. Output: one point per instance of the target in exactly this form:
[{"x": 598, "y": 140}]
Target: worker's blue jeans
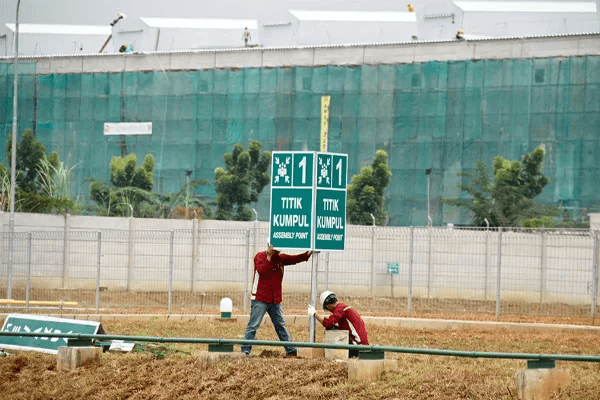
[{"x": 258, "y": 309}]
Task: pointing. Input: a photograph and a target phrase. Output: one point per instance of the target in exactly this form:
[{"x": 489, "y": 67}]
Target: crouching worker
[{"x": 344, "y": 316}]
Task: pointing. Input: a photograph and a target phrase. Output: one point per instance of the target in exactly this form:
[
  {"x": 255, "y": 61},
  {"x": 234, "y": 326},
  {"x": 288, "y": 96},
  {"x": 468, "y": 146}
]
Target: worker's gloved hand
[{"x": 310, "y": 310}]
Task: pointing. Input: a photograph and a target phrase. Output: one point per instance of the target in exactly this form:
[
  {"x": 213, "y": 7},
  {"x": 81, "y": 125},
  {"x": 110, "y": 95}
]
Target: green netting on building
[{"x": 439, "y": 115}]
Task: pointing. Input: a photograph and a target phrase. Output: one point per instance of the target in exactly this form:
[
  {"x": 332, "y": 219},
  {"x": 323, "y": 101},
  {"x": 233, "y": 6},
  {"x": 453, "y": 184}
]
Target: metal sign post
[{"x": 308, "y": 205}]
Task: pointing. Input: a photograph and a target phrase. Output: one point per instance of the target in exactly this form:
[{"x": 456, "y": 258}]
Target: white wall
[{"x": 217, "y": 255}]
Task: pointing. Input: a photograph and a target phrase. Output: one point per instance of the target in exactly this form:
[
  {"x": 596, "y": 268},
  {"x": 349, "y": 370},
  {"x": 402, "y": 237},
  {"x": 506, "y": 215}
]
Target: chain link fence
[{"x": 401, "y": 270}]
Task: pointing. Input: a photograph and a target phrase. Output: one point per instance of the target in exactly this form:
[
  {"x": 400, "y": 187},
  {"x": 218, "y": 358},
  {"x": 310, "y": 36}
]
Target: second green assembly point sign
[{"x": 308, "y": 200}]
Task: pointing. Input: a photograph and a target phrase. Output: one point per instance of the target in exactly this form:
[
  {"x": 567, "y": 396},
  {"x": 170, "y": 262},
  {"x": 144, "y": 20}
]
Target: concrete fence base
[
  {"x": 75, "y": 357},
  {"x": 540, "y": 384}
]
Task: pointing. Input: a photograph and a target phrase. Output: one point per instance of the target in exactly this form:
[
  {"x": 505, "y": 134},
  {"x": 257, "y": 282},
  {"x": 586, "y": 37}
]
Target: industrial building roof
[
  {"x": 526, "y": 6},
  {"x": 55, "y": 29},
  {"x": 200, "y": 23},
  {"x": 357, "y": 16}
]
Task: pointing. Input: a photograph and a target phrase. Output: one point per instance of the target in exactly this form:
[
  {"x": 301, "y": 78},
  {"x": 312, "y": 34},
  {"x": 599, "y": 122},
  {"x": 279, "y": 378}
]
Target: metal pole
[
  {"x": 428, "y": 203},
  {"x": 596, "y": 257},
  {"x": 66, "y": 251},
  {"x": 13, "y": 161},
  {"x": 410, "y": 268},
  {"x": 373, "y": 256},
  {"x": 429, "y": 269},
  {"x": 543, "y": 268},
  {"x": 487, "y": 265},
  {"x": 313, "y": 295},
  {"x": 194, "y": 253},
  {"x": 98, "y": 262},
  {"x": 327, "y": 270},
  {"x": 28, "y": 291},
  {"x": 498, "y": 274},
  {"x": 246, "y": 267},
  {"x": 171, "y": 273}
]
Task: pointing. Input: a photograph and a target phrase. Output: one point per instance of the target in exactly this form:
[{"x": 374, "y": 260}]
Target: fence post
[
  {"x": 66, "y": 249},
  {"x": 410, "y": 268},
  {"x": 543, "y": 268},
  {"x": 373, "y": 259},
  {"x": 28, "y": 290},
  {"x": 130, "y": 252},
  {"x": 595, "y": 274},
  {"x": 98, "y": 262},
  {"x": 429, "y": 269},
  {"x": 194, "y": 252},
  {"x": 498, "y": 274},
  {"x": 246, "y": 267},
  {"x": 326, "y": 270},
  {"x": 171, "y": 272},
  {"x": 487, "y": 265}
]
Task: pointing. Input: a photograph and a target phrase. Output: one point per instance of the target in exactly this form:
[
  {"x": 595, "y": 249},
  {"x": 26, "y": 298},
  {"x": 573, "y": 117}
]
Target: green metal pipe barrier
[{"x": 408, "y": 350}]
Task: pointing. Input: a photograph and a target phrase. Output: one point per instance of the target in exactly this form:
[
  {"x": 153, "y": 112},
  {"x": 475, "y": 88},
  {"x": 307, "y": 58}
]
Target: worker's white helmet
[{"x": 327, "y": 297}]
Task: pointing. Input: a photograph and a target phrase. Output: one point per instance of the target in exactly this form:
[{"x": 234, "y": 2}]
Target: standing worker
[
  {"x": 343, "y": 315},
  {"x": 246, "y": 36},
  {"x": 266, "y": 294}
]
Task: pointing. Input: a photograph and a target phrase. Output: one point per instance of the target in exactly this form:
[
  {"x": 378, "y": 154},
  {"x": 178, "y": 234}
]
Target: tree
[
  {"x": 42, "y": 182},
  {"x": 365, "y": 192},
  {"x": 509, "y": 199},
  {"x": 241, "y": 181},
  {"x": 130, "y": 189},
  {"x": 30, "y": 153}
]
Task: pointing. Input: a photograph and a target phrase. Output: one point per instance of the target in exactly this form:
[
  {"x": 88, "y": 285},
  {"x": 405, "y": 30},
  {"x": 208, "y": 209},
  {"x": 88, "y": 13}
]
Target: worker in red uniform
[
  {"x": 266, "y": 294},
  {"x": 346, "y": 318}
]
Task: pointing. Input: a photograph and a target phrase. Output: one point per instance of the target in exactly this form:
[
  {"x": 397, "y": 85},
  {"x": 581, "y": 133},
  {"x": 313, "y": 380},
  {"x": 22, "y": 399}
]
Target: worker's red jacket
[
  {"x": 268, "y": 275},
  {"x": 348, "y": 320}
]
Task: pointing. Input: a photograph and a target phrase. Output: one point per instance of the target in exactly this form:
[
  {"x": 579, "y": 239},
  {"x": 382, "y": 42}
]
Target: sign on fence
[
  {"x": 43, "y": 324},
  {"x": 308, "y": 200},
  {"x": 393, "y": 268}
]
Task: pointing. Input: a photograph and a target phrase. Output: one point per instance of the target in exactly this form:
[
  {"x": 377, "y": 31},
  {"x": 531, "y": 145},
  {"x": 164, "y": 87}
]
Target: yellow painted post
[{"x": 325, "y": 102}]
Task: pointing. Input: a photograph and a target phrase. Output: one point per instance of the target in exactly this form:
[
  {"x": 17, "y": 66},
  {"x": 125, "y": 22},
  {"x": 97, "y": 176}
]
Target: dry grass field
[{"x": 174, "y": 371}]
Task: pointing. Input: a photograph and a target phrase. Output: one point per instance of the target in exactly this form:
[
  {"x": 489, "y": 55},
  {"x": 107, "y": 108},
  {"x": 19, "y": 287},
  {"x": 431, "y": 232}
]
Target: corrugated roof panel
[
  {"x": 526, "y": 6},
  {"x": 200, "y": 23},
  {"x": 358, "y": 16},
  {"x": 62, "y": 29}
]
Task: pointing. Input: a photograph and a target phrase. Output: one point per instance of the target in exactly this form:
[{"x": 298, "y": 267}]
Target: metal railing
[
  {"x": 277, "y": 343},
  {"x": 437, "y": 270}
]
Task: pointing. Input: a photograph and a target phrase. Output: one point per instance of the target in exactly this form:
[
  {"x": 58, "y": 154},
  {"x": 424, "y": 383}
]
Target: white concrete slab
[
  {"x": 549, "y": 47},
  {"x": 496, "y": 49},
  {"x": 147, "y": 62},
  {"x": 589, "y": 46},
  {"x": 288, "y": 57},
  {"x": 238, "y": 59},
  {"x": 443, "y": 51},
  {"x": 66, "y": 65},
  {"x": 391, "y": 54},
  {"x": 192, "y": 61},
  {"x": 107, "y": 63},
  {"x": 339, "y": 55}
]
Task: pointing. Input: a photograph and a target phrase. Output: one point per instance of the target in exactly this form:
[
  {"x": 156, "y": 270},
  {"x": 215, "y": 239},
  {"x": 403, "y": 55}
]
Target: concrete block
[
  {"x": 74, "y": 357},
  {"x": 369, "y": 370},
  {"x": 336, "y": 337},
  {"x": 311, "y": 352},
  {"x": 540, "y": 384},
  {"x": 211, "y": 357}
]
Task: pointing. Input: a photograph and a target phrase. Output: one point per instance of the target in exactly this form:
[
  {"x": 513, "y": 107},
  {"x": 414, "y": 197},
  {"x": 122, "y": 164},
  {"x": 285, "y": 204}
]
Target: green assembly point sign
[
  {"x": 308, "y": 200},
  {"x": 393, "y": 268},
  {"x": 43, "y": 324}
]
